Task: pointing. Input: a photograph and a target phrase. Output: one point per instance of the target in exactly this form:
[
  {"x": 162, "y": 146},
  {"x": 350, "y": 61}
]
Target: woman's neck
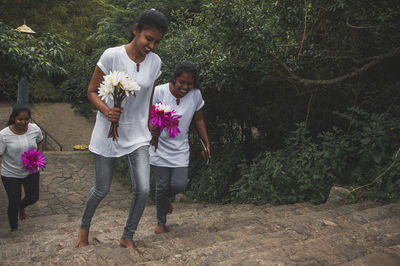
[
  {"x": 174, "y": 93},
  {"x": 17, "y": 131},
  {"x": 173, "y": 90},
  {"x": 133, "y": 53}
]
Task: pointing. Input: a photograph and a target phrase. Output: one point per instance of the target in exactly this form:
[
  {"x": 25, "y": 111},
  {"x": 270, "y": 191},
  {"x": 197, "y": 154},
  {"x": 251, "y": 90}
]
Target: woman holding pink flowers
[
  {"x": 17, "y": 138},
  {"x": 130, "y": 117},
  {"x": 171, "y": 159}
]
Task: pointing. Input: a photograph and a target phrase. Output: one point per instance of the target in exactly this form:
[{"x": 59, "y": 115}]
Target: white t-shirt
[
  {"x": 174, "y": 152},
  {"x": 12, "y": 146},
  {"x": 133, "y": 128}
]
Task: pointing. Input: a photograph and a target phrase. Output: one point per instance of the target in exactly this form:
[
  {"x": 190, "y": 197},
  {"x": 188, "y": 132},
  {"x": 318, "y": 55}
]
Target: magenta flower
[
  {"x": 172, "y": 127},
  {"x": 32, "y": 160},
  {"x": 162, "y": 116}
]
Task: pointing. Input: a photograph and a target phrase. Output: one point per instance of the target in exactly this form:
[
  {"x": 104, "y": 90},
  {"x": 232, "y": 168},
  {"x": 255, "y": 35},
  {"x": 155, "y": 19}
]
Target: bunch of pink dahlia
[
  {"x": 162, "y": 116},
  {"x": 32, "y": 160}
]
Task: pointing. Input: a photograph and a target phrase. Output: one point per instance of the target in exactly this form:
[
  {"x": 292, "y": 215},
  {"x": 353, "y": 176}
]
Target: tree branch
[
  {"x": 304, "y": 30},
  {"x": 312, "y": 82},
  {"x": 361, "y": 27}
]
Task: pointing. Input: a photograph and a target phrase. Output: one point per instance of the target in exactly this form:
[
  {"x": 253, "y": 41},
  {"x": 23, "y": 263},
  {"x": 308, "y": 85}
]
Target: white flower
[
  {"x": 163, "y": 107},
  {"x": 113, "y": 78},
  {"x": 120, "y": 81},
  {"x": 106, "y": 92},
  {"x": 129, "y": 86}
]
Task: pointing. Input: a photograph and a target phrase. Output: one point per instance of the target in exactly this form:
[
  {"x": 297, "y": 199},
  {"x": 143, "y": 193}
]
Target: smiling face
[
  {"x": 146, "y": 40},
  {"x": 183, "y": 84},
  {"x": 21, "y": 121}
]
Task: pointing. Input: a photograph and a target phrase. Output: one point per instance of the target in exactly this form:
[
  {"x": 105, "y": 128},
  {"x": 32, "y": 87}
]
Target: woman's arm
[
  {"x": 154, "y": 132},
  {"x": 40, "y": 146},
  {"x": 112, "y": 114},
  {"x": 201, "y": 128},
  {"x": 151, "y": 98}
]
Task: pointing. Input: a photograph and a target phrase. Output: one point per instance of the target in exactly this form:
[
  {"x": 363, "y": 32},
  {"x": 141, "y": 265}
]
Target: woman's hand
[
  {"x": 203, "y": 154},
  {"x": 113, "y": 114},
  {"x": 155, "y": 132}
]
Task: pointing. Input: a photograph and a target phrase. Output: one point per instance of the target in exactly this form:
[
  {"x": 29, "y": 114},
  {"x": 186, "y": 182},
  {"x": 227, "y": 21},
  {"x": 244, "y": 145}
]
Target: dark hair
[
  {"x": 151, "y": 19},
  {"x": 16, "y": 111},
  {"x": 186, "y": 66}
]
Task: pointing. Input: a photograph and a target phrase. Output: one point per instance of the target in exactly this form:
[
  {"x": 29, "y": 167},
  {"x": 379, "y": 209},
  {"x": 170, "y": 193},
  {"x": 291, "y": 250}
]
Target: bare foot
[
  {"x": 22, "y": 214},
  {"x": 170, "y": 208},
  {"x": 126, "y": 243},
  {"x": 14, "y": 229},
  {"x": 160, "y": 229},
  {"x": 83, "y": 238}
]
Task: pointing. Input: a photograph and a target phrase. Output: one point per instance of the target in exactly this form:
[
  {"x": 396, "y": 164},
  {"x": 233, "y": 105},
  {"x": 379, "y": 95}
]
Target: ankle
[
  {"x": 160, "y": 228},
  {"x": 126, "y": 243}
]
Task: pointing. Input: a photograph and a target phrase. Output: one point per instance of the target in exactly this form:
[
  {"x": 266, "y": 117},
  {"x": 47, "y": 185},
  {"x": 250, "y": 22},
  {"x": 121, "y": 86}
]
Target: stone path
[
  {"x": 59, "y": 119},
  {"x": 200, "y": 234}
]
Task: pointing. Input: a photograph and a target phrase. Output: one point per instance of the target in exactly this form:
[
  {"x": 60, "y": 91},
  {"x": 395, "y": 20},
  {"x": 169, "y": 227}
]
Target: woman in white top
[
  {"x": 19, "y": 136},
  {"x": 142, "y": 65},
  {"x": 171, "y": 159}
]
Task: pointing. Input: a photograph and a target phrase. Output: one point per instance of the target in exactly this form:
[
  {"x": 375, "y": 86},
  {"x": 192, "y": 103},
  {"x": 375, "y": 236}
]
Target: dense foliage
[{"x": 300, "y": 95}]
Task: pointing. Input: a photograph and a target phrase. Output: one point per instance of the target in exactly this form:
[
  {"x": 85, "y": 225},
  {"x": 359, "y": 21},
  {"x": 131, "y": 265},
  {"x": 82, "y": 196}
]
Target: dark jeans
[
  {"x": 13, "y": 189},
  {"x": 169, "y": 182}
]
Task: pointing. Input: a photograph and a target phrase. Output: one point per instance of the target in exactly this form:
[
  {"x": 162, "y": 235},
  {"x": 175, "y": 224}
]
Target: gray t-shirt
[{"x": 12, "y": 146}]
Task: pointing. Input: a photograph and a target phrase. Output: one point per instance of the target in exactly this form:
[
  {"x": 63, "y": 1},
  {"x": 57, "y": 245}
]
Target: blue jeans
[
  {"x": 139, "y": 169},
  {"x": 169, "y": 182}
]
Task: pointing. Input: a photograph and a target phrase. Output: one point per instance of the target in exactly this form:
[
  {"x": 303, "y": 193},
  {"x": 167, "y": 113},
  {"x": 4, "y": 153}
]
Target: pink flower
[
  {"x": 159, "y": 117},
  {"x": 162, "y": 116},
  {"x": 32, "y": 160},
  {"x": 172, "y": 127}
]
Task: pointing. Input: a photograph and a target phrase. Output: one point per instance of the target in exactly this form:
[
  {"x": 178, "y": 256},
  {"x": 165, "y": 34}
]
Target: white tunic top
[
  {"x": 133, "y": 128},
  {"x": 12, "y": 146},
  {"x": 174, "y": 152}
]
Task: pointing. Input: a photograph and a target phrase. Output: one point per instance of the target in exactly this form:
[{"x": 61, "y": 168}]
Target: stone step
[
  {"x": 249, "y": 237},
  {"x": 201, "y": 236},
  {"x": 183, "y": 220},
  {"x": 373, "y": 214},
  {"x": 389, "y": 256},
  {"x": 182, "y": 212},
  {"x": 361, "y": 236},
  {"x": 90, "y": 255},
  {"x": 198, "y": 237},
  {"x": 326, "y": 250}
]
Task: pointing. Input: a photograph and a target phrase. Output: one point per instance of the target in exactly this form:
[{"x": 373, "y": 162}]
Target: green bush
[
  {"x": 302, "y": 171},
  {"x": 211, "y": 183},
  {"x": 306, "y": 169}
]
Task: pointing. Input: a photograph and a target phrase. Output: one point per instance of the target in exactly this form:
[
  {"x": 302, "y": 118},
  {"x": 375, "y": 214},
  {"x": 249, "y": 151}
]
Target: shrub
[{"x": 306, "y": 169}]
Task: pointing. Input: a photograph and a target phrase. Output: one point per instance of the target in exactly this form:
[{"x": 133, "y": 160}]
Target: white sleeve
[
  {"x": 39, "y": 136},
  {"x": 156, "y": 96},
  {"x": 158, "y": 73},
  {"x": 199, "y": 100},
  {"x": 157, "y": 65},
  {"x": 105, "y": 61},
  {"x": 2, "y": 145}
]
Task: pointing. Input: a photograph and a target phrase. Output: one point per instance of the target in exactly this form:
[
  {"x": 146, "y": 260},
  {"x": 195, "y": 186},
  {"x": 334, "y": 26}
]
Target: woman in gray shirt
[{"x": 19, "y": 136}]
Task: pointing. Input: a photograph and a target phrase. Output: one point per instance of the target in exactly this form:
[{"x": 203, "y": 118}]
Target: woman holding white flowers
[
  {"x": 171, "y": 159},
  {"x": 137, "y": 60}
]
